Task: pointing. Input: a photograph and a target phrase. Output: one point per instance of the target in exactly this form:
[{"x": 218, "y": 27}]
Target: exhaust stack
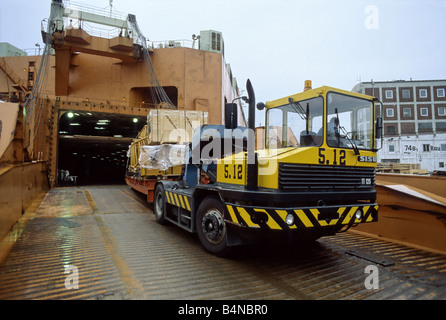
[{"x": 252, "y": 167}]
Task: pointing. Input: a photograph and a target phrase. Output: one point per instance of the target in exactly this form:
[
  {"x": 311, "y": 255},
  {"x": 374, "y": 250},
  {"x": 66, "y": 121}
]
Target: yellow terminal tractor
[{"x": 315, "y": 177}]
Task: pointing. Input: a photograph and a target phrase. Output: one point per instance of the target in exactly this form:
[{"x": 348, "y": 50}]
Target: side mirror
[
  {"x": 379, "y": 122},
  {"x": 378, "y": 127},
  {"x": 261, "y": 106},
  {"x": 231, "y": 120}
]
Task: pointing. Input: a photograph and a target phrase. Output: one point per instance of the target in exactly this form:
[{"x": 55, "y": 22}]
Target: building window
[
  {"x": 442, "y": 111},
  {"x": 440, "y": 126},
  {"x": 443, "y": 147},
  {"x": 440, "y": 93},
  {"x": 424, "y": 112},
  {"x": 390, "y": 130},
  {"x": 426, "y": 147},
  {"x": 424, "y": 126},
  {"x": 441, "y": 164},
  {"x": 390, "y": 160},
  {"x": 216, "y": 41},
  {"x": 407, "y": 112},
  {"x": 389, "y": 94},
  {"x": 406, "y": 94},
  {"x": 423, "y": 93},
  {"x": 391, "y": 148},
  {"x": 389, "y": 112}
]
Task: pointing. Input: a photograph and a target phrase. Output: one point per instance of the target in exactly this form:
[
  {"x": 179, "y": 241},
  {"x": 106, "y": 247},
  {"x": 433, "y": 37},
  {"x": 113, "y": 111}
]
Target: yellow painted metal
[
  {"x": 270, "y": 222},
  {"x": 318, "y": 92},
  {"x": 246, "y": 217},
  {"x": 302, "y": 216},
  {"x": 232, "y": 214},
  {"x": 178, "y": 200},
  {"x": 232, "y": 169}
]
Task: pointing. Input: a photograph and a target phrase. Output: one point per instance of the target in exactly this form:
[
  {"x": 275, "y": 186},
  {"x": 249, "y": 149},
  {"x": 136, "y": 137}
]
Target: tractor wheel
[{"x": 211, "y": 227}]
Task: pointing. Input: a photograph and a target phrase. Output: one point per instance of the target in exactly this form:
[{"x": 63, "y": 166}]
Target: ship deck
[{"x": 109, "y": 234}]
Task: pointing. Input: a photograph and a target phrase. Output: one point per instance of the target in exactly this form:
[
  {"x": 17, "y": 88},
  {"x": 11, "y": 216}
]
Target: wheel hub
[{"x": 212, "y": 225}]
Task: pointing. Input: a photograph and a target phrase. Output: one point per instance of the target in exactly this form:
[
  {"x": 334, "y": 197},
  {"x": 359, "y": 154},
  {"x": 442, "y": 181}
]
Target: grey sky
[{"x": 280, "y": 43}]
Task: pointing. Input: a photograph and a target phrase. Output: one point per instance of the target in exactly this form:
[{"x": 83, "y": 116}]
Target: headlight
[
  {"x": 358, "y": 214},
  {"x": 289, "y": 219}
]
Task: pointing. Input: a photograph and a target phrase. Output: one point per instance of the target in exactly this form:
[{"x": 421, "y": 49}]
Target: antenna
[{"x": 111, "y": 7}]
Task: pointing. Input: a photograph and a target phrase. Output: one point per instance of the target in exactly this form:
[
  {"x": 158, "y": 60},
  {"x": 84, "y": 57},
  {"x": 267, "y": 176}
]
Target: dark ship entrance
[{"x": 93, "y": 147}]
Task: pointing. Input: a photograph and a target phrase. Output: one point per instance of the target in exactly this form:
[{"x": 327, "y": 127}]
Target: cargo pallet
[{"x": 403, "y": 168}]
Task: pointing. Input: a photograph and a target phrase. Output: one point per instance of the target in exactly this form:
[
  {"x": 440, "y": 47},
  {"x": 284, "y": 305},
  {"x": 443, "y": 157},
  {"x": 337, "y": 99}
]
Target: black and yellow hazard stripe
[
  {"x": 178, "y": 200},
  {"x": 275, "y": 219}
]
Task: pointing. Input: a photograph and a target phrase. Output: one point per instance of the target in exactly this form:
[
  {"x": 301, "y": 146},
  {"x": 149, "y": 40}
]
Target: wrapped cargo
[{"x": 162, "y": 157}]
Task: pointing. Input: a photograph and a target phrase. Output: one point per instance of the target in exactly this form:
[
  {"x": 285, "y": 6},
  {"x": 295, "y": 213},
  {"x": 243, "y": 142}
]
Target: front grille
[{"x": 300, "y": 177}]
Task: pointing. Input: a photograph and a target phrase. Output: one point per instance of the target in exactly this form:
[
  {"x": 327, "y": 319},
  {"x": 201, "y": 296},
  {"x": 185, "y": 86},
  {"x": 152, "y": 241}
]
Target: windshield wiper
[
  {"x": 354, "y": 146},
  {"x": 299, "y": 109},
  {"x": 338, "y": 128}
]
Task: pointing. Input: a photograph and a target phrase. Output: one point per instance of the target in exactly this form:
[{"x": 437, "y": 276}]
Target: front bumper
[{"x": 304, "y": 218}]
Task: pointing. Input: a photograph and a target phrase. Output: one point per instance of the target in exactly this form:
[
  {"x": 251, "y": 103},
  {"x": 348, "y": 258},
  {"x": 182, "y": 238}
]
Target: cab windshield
[
  {"x": 298, "y": 123},
  {"x": 349, "y": 122}
]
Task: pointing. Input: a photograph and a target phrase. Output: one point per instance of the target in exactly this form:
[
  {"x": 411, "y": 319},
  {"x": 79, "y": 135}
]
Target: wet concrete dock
[{"x": 106, "y": 238}]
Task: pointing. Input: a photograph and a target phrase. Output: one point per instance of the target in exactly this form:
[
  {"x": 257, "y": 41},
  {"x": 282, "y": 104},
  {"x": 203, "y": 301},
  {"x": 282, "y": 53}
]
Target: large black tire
[
  {"x": 211, "y": 227},
  {"x": 159, "y": 204}
]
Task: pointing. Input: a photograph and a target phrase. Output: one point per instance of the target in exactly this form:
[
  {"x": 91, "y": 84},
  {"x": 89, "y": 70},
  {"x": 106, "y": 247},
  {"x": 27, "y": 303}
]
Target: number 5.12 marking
[
  {"x": 236, "y": 173},
  {"x": 338, "y": 157}
]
